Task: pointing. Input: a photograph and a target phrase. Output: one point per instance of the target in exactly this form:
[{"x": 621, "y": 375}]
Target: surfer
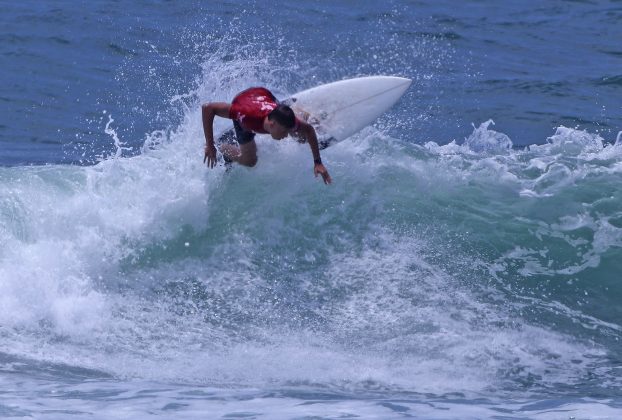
[{"x": 256, "y": 110}]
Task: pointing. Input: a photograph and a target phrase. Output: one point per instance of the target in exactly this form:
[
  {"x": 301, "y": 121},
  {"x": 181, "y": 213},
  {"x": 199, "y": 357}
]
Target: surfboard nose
[{"x": 352, "y": 104}]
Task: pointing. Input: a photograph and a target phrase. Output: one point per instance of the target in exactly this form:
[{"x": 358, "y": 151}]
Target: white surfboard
[{"x": 340, "y": 109}]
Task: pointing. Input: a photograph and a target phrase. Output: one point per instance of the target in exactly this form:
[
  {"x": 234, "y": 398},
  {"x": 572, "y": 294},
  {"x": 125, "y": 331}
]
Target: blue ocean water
[{"x": 456, "y": 268}]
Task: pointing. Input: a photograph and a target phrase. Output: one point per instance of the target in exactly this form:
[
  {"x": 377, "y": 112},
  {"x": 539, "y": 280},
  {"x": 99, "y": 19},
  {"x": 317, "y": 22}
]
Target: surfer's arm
[
  {"x": 306, "y": 132},
  {"x": 209, "y": 111}
]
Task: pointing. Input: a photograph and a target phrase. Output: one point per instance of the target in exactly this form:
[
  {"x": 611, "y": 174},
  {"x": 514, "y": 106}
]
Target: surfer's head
[{"x": 280, "y": 121}]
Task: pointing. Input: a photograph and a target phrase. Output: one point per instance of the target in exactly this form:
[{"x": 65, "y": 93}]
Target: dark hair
[{"x": 284, "y": 115}]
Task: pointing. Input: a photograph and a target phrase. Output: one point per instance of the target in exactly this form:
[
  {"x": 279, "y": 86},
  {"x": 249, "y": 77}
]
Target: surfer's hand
[
  {"x": 319, "y": 169},
  {"x": 210, "y": 155}
]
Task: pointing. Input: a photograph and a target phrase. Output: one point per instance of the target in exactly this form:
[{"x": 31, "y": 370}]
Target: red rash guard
[{"x": 251, "y": 107}]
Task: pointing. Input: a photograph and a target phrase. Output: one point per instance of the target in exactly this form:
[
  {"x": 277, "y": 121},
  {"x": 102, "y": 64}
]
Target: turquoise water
[{"x": 450, "y": 271}]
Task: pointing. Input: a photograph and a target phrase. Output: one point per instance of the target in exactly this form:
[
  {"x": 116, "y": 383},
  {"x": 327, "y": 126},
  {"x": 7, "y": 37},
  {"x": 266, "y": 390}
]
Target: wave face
[
  {"x": 474, "y": 269},
  {"x": 437, "y": 278}
]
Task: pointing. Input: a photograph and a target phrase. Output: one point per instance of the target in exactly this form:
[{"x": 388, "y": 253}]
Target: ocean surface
[{"x": 465, "y": 264}]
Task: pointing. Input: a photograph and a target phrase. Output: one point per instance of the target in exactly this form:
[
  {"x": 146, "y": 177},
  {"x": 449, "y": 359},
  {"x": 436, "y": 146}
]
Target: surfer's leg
[
  {"x": 248, "y": 154},
  {"x": 229, "y": 151},
  {"x": 228, "y": 139},
  {"x": 245, "y": 155}
]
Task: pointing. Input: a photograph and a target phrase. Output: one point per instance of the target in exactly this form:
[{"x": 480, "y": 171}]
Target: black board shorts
[{"x": 236, "y": 133}]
